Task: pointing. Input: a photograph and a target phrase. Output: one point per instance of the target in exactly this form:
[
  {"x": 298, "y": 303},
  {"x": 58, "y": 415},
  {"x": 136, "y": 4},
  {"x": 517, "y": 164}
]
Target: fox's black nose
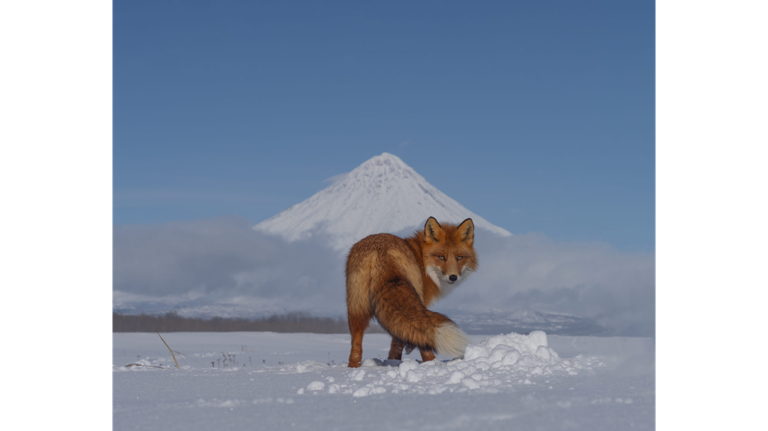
[{"x": 453, "y": 278}]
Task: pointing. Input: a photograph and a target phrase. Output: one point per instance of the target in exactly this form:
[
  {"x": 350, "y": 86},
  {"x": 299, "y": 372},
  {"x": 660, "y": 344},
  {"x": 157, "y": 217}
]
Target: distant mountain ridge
[{"x": 381, "y": 195}]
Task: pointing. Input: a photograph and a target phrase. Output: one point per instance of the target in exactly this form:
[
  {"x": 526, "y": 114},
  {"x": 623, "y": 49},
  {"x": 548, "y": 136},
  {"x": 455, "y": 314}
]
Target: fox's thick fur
[{"x": 395, "y": 279}]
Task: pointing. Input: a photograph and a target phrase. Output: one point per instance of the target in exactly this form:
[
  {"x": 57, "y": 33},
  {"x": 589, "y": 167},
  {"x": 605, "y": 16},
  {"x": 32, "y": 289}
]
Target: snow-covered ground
[{"x": 258, "y": 380}]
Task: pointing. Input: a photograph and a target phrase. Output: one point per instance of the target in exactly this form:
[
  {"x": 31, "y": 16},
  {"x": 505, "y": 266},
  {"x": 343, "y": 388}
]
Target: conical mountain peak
[
  {"x": 383, "y": 194},
  {"x": 386, "y": 167}
]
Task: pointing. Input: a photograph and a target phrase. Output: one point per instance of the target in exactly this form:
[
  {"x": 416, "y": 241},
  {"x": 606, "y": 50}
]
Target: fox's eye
[
  {"x": 441, "y": 257},
  {"x": 459, "y": 257}
]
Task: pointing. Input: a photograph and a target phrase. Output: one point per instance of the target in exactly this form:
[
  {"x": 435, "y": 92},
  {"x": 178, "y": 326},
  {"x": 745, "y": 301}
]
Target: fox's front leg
[{"x": 396, "y": 350}]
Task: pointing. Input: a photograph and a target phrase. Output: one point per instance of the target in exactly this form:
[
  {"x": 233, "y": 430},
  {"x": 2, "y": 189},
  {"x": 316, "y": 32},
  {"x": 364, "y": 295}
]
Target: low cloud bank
[
  {"x": 533, "y": 272},
  {"x": 222, "y": 267}
]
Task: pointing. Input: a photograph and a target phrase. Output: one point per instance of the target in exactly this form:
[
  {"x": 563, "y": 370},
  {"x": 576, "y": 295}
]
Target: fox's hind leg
[
  {"x": 426, "y": 354},
  {"x": 357, "y": 326},
  {"x": 396, "y": 349}
]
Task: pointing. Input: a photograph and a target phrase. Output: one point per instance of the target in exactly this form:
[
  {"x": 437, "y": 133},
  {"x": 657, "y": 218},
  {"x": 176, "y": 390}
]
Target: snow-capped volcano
[{"x": 381, "y": 195}]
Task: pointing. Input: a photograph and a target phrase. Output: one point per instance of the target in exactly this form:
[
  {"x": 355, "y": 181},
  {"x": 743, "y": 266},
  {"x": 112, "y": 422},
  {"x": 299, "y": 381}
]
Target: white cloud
[
  {"x": 587, "y": 279},
  {"x": 336, "y": 178},
  {"x": 223, "y": 266}
]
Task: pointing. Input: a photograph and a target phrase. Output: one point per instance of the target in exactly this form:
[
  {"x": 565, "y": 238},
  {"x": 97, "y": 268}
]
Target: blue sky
[{"x": 538, "y": 116}]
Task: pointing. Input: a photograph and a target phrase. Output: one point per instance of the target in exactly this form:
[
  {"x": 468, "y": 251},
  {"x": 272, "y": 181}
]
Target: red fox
[{"x": 395, "y": 279}]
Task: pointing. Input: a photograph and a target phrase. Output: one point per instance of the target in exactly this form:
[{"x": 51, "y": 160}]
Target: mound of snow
[
  {"x": 305, "y": 367},
  {"x": 513, "y": 348},
  {"x": 496, "y": 363}
]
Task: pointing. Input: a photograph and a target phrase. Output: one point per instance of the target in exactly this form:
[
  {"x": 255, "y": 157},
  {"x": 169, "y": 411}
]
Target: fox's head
[{"x": 449, "y": 256}]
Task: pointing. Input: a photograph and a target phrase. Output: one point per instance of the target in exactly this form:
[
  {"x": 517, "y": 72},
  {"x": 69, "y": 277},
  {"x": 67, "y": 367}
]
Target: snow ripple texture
[
  {"x": 381, "y": 195},
  {"x": 495, "y": 364}
]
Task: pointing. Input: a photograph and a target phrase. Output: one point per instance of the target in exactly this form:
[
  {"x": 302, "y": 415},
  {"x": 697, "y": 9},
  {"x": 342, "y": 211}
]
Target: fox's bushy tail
[{"x": 400, "y": 311}]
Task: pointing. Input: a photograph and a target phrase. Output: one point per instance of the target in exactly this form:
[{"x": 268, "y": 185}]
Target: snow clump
[{"x": 496, "y": 363}]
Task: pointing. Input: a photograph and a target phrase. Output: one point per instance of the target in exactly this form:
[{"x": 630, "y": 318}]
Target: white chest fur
[{"x": 445, "y": 287}]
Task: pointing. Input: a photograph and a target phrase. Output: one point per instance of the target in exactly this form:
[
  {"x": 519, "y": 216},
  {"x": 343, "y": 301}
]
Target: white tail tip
[{"x": 450, "y": 340}]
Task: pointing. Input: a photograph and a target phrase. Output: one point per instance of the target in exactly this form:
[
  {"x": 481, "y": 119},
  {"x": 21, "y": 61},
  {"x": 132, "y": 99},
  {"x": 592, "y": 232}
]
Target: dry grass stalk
[{"x": 169, "y": 349}]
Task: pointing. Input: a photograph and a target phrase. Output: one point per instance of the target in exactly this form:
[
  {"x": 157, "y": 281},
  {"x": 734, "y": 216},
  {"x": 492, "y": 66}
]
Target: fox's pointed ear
[
  {"x": 433, "y": 232},
  {"x": 466, "y": 232}
]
